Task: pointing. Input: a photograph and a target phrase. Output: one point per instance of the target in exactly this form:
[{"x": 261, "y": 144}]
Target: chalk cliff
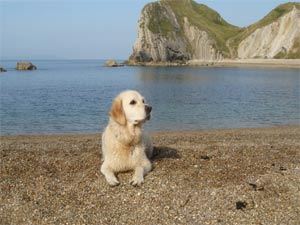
[
  {"x": 182, "y": 30},
  {"x": 279, "y": 39}
]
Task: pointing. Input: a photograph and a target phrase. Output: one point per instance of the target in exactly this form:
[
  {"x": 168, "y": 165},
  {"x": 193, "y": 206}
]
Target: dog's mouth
[{"x": 148, "y": 117}]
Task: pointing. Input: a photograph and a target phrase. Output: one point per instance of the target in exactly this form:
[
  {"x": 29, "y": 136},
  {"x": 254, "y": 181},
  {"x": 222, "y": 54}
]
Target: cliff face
[
  {"x": 200, "y": 42},
  {"x": 156, "y": 43},
  {"x": 181, "y": 30},
  {"x": 276, "y": 40}
]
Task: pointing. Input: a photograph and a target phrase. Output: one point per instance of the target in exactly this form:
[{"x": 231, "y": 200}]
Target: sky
[{"x": 93, "y": 29}]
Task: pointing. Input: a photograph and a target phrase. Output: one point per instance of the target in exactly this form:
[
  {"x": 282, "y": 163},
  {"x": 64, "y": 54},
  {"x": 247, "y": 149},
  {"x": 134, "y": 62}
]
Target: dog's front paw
[
  {"x": 137, "y": 181},
  {"x": 112, "y": 181}
]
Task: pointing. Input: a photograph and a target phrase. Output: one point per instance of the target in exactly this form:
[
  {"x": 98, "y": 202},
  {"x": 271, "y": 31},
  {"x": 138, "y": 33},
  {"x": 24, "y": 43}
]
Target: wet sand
[{"x": 236, "y": 176}]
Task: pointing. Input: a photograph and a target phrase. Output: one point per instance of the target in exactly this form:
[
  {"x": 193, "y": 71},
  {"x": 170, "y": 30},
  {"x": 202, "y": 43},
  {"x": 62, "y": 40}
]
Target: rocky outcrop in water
[
  {"x": 25, "y": 66},
  {"x": 2, "y": 69},
  {"x": 177, "y": 31},
  {"x": 112, "y": 63}
]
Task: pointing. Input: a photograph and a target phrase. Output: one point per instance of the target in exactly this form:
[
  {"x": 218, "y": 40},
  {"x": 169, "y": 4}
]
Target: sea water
[{"x": 74, "y": 96}]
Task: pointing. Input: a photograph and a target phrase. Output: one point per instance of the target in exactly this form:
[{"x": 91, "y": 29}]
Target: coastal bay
[{"x": 74, "y": 96}]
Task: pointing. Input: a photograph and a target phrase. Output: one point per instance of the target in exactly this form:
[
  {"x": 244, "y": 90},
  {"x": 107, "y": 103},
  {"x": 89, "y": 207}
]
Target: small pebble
[{"x": 240, "y": 205}]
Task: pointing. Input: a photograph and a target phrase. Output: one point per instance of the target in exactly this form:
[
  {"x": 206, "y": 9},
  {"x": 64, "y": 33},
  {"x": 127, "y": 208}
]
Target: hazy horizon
[{"x": 52, "y": 29}]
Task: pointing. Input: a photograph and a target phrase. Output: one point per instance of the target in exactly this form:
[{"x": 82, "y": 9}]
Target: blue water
[{"x": 74, "y": 96}]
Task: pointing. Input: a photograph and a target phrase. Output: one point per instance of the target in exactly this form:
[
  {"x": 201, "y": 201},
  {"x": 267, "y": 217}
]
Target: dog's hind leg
[{"x": 109, "y": 175}]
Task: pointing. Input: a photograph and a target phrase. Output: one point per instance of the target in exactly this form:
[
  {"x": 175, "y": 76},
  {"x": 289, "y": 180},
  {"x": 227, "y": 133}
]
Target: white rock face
[
  {"x": 155, "y": 47},
  {"x": 202, "y": 45},
  {"x": 268, "y": 41},
  {"x": 192, "y": 43}
]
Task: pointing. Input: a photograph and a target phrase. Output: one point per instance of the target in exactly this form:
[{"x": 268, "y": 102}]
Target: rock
[
  {"x": 256, "y": 186},
  {"x": 240, "y": 205},
  {"x": 205, "y": 157},
  {"x": 2, "y": 69},
  {"x": 112, "y": 63},
  {"x": 25, "y": 66}
]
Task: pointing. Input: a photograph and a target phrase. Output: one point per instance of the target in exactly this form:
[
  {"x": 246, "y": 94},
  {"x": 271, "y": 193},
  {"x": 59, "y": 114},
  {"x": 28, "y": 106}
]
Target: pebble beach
[{"x": 232, "y": 176}]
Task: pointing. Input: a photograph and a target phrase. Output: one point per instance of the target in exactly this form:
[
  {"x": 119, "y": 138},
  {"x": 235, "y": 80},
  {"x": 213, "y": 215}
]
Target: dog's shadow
[{"x": 163, "y": 152}]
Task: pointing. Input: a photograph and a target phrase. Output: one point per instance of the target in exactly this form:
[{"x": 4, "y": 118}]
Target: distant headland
[{"x": 179, "y": 32}]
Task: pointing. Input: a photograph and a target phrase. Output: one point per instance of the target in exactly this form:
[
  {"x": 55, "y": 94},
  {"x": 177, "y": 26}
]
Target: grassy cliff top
[{"x": 198, "y": 15}]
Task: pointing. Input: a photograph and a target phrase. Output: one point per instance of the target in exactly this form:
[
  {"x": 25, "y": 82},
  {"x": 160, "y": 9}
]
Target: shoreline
[
  {"x": 276, "y": 63},
  {"x": 260, "y": 63},
  {"x": 158, "y": 132},
  {"x": 224, "y": 176}
]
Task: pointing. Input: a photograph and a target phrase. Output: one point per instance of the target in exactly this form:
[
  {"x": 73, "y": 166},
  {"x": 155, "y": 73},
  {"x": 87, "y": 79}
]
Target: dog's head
[{"x": 130, "y": 107}]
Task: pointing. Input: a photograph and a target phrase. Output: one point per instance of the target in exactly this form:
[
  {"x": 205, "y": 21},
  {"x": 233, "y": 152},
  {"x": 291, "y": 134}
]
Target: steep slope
[
  {"x": 179, "y": 30},
  {"x": 275, "y": 36}
]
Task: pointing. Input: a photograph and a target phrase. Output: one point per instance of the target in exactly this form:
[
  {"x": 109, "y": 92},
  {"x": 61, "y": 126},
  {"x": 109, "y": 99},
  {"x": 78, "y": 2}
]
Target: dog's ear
[{"x": 117, "y": 112}]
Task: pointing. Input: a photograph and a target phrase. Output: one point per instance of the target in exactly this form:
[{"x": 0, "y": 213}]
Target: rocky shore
[
  {"x": 2, "y": 69},
  {"x": 236, "y": 176}
]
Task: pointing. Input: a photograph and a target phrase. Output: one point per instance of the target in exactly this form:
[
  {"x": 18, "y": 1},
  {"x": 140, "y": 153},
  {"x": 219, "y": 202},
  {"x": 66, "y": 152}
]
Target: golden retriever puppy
[{"x": 125, "y": 146}]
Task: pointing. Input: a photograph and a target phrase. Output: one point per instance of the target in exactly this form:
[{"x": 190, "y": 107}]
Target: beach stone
[
  {"x": 205, "y": 157},
  {"x": 25, "y": 66},
  {"x": 112, "y": 63},
  {"x": 241, "y": 205},
  {"x": 2, "y": 69}
]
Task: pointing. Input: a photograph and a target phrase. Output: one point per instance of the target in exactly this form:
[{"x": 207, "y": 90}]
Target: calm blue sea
[{"x": 74, "y": 96}]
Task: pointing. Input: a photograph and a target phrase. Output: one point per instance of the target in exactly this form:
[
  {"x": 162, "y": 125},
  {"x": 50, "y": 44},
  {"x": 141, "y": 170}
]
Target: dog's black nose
[{"x": 148, "y": 108}]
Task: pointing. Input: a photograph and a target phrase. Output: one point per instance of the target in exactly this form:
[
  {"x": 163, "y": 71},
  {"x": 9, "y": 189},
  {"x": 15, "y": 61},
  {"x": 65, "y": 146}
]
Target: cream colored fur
[{"x": 125, "y": 146}]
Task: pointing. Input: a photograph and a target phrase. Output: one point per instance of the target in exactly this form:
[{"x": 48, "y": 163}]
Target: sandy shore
[
  {"x": 238, "y": 176},
  {"x": 284, "y": 63}
]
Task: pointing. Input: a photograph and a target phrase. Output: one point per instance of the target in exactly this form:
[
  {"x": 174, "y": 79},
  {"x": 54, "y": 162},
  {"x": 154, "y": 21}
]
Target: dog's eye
[
  {"x": 133, "y": 102},
  {"x": 143, "y": 101}
]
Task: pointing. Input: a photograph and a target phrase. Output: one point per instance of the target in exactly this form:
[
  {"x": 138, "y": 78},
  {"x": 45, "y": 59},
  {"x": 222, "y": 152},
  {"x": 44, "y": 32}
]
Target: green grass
[
  {"x": 280, "y": 55},
  {"x": 294, "y": 53},
  {"x": 158, "y": 22},
  {"x": 205, "y": 19},
  {"x": 268, "y": 19},
  {"x": 198, "y": 15}
]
